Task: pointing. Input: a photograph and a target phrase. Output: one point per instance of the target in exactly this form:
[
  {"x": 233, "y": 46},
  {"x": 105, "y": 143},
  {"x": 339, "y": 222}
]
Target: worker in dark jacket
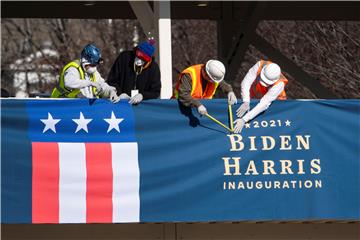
[{"x": 136, "y": 75}]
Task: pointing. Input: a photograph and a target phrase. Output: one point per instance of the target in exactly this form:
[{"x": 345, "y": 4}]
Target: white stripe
[
  {"x": 72, "y": 184},
  {"x": 126, "y": 182}
]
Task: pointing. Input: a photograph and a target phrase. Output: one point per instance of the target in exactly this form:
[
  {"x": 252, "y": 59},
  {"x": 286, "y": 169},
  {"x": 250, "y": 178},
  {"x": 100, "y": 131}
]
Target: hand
[
  {"x": 239, "y": 124},
  {"x": 136, "y": 99},
  {"x": 245, "y": 107},
  {"x": 124, "y": 96},
  {"x": 114, "y": 98},
  {"x": 202, "y": 110},
  {"x": 97, "y": 86},
  {"x": 232, "y": 98}
]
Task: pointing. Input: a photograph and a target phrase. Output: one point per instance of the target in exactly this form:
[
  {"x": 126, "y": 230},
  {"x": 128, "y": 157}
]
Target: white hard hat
[
  {"x": 215, "y": 70},
  {"x": 270, "y": 73}
]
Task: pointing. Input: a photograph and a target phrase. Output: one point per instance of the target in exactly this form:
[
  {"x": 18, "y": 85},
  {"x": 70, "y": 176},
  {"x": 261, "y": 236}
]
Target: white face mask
[
  {"x": 91, "y": 70},
  {"x": 139, "y": 62}
]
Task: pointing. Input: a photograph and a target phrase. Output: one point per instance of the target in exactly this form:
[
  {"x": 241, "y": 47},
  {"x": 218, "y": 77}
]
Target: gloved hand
[
  {"x": 239, "y": 124},
  {"x": 232, "y": 98},
  {"x": 136, "y": 99},
  {"x": 202, "y": 110},
  {"x": 124, "y": 96},
  {"x": 113, "y": 96},
  {"x": 97, "y": 86},
  {"x": 245, "y": 107}
]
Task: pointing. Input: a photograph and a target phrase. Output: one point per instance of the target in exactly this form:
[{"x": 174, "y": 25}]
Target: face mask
[
  {"x": 139, "y": 62},
  {"x": 91, "y": 70}
]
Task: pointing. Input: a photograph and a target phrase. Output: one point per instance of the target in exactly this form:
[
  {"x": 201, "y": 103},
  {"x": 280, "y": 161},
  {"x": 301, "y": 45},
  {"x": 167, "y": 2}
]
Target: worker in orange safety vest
[
  {"x": 263, "y": 81},
  {"x": 201, "y": 82}
]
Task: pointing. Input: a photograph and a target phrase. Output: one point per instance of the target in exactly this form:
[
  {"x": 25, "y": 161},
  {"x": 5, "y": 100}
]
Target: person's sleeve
[
  {"x": 155, "y": 85},
  {"x": 106, "y": 87},
  {"x": 225, "y": 87},
  {"x": 114, "y": 74},
  {"x": 72, "y": 79},
  {"x": 265, "y": 101},
  {"x": 185, "y": 92},
  {"x": 247, "y": 82}
]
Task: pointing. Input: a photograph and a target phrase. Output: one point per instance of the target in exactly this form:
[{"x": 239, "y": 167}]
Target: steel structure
[{"x": 236, "y": 21}]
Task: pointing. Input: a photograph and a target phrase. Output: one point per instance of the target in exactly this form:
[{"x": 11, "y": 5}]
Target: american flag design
[{"x": 85, "y": 164}]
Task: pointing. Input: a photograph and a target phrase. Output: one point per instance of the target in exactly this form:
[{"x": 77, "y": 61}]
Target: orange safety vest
[
  {"x": 258, "y": 91},
  {"x": 197, "y": 91}
]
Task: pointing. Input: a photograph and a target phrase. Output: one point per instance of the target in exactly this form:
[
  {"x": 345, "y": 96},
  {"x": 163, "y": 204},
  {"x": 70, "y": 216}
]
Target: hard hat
[
  {"x": 215, "y": 70},
  {"x": 270, "y": 73},
  {"x": 91, "y": 54}
]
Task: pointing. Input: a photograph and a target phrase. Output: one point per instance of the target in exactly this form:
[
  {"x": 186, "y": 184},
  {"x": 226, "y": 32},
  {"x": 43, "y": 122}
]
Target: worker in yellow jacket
[{"x": 80, "y": 78}]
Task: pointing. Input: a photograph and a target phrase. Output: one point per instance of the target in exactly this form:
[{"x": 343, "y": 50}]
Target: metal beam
[
  {"x": 301, "y": 76},
  {"x": 145, "y": 16},
  {"x": 244, "y": 37},
  {"x": 278, "y": 10},
  {"x": 225, "y": 33}
]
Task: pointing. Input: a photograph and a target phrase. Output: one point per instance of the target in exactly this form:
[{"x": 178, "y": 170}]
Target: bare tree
[
  {"x": 193, "y": 42},
  {"x": 24, "y": 39},
  {"x": 327, "y": 50}
]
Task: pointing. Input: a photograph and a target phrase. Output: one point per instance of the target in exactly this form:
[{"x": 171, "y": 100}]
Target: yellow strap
[
  {"x": 218, "y": 122},
  {"x": 231, "y": 118}
]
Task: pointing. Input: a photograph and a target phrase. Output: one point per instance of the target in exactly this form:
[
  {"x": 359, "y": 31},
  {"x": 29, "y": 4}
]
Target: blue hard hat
[{"x": 92, "y": 54}]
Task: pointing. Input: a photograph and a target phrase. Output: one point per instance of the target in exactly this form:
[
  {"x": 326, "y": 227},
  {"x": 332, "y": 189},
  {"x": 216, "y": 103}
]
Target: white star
[
  {"x": 247, "y": 125},
  {"x": 82, "y": 123},
  {"x": 113, "y": 122},
  {"x": 287, "y": 123},
  {"x": 50, "y": 123}
]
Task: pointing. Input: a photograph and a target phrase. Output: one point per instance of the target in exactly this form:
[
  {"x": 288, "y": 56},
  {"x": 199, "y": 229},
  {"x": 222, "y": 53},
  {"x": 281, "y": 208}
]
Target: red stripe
[
  {"x": 99, "y": 183},
  {"x": 45, "y": 182}
]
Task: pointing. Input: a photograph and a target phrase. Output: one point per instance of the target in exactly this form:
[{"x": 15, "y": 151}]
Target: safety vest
[
  {"x": 197, "y": 91},
  {"x": 258, "y": 91},
  {"x": 60, "y": 91}
]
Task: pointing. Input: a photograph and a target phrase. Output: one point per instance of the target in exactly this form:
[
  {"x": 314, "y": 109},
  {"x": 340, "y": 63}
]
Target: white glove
[
  {"x": 202, "y": 110},
  {"x": 239, "y": 124},
  {"x": 136, "y": 99},
  {"x": 97, "y": 86},
  {"x": 245, "y": 107},
  {"x": 232, "y": 98},
  {"x": 113, "y": 96},
  {"x": 124, "y": 96}
]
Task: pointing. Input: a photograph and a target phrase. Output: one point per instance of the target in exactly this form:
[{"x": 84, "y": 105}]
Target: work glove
[
  {"x": 114, "y": 98},
  {"x": 136, "y": 99},
  {"x": 97, "y": 86},
  {"x": 124, "y": 96},
  {"x": 202, "y": 110},
  {"x": 239, "y": 124},
  {"x": 245, "y": 107},
  {"x": 232, "y": 98}
]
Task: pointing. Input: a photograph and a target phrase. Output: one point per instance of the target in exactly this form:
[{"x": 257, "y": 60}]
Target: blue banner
[{"x": 93, "y": 161}]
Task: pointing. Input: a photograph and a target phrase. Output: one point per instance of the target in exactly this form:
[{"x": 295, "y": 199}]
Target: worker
[
  {"x": 263, "y": 81},
  {"x": 80, "y": 78},
  {"x": 135, "y": 74},
  {"x": 201, "y": 82}
]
